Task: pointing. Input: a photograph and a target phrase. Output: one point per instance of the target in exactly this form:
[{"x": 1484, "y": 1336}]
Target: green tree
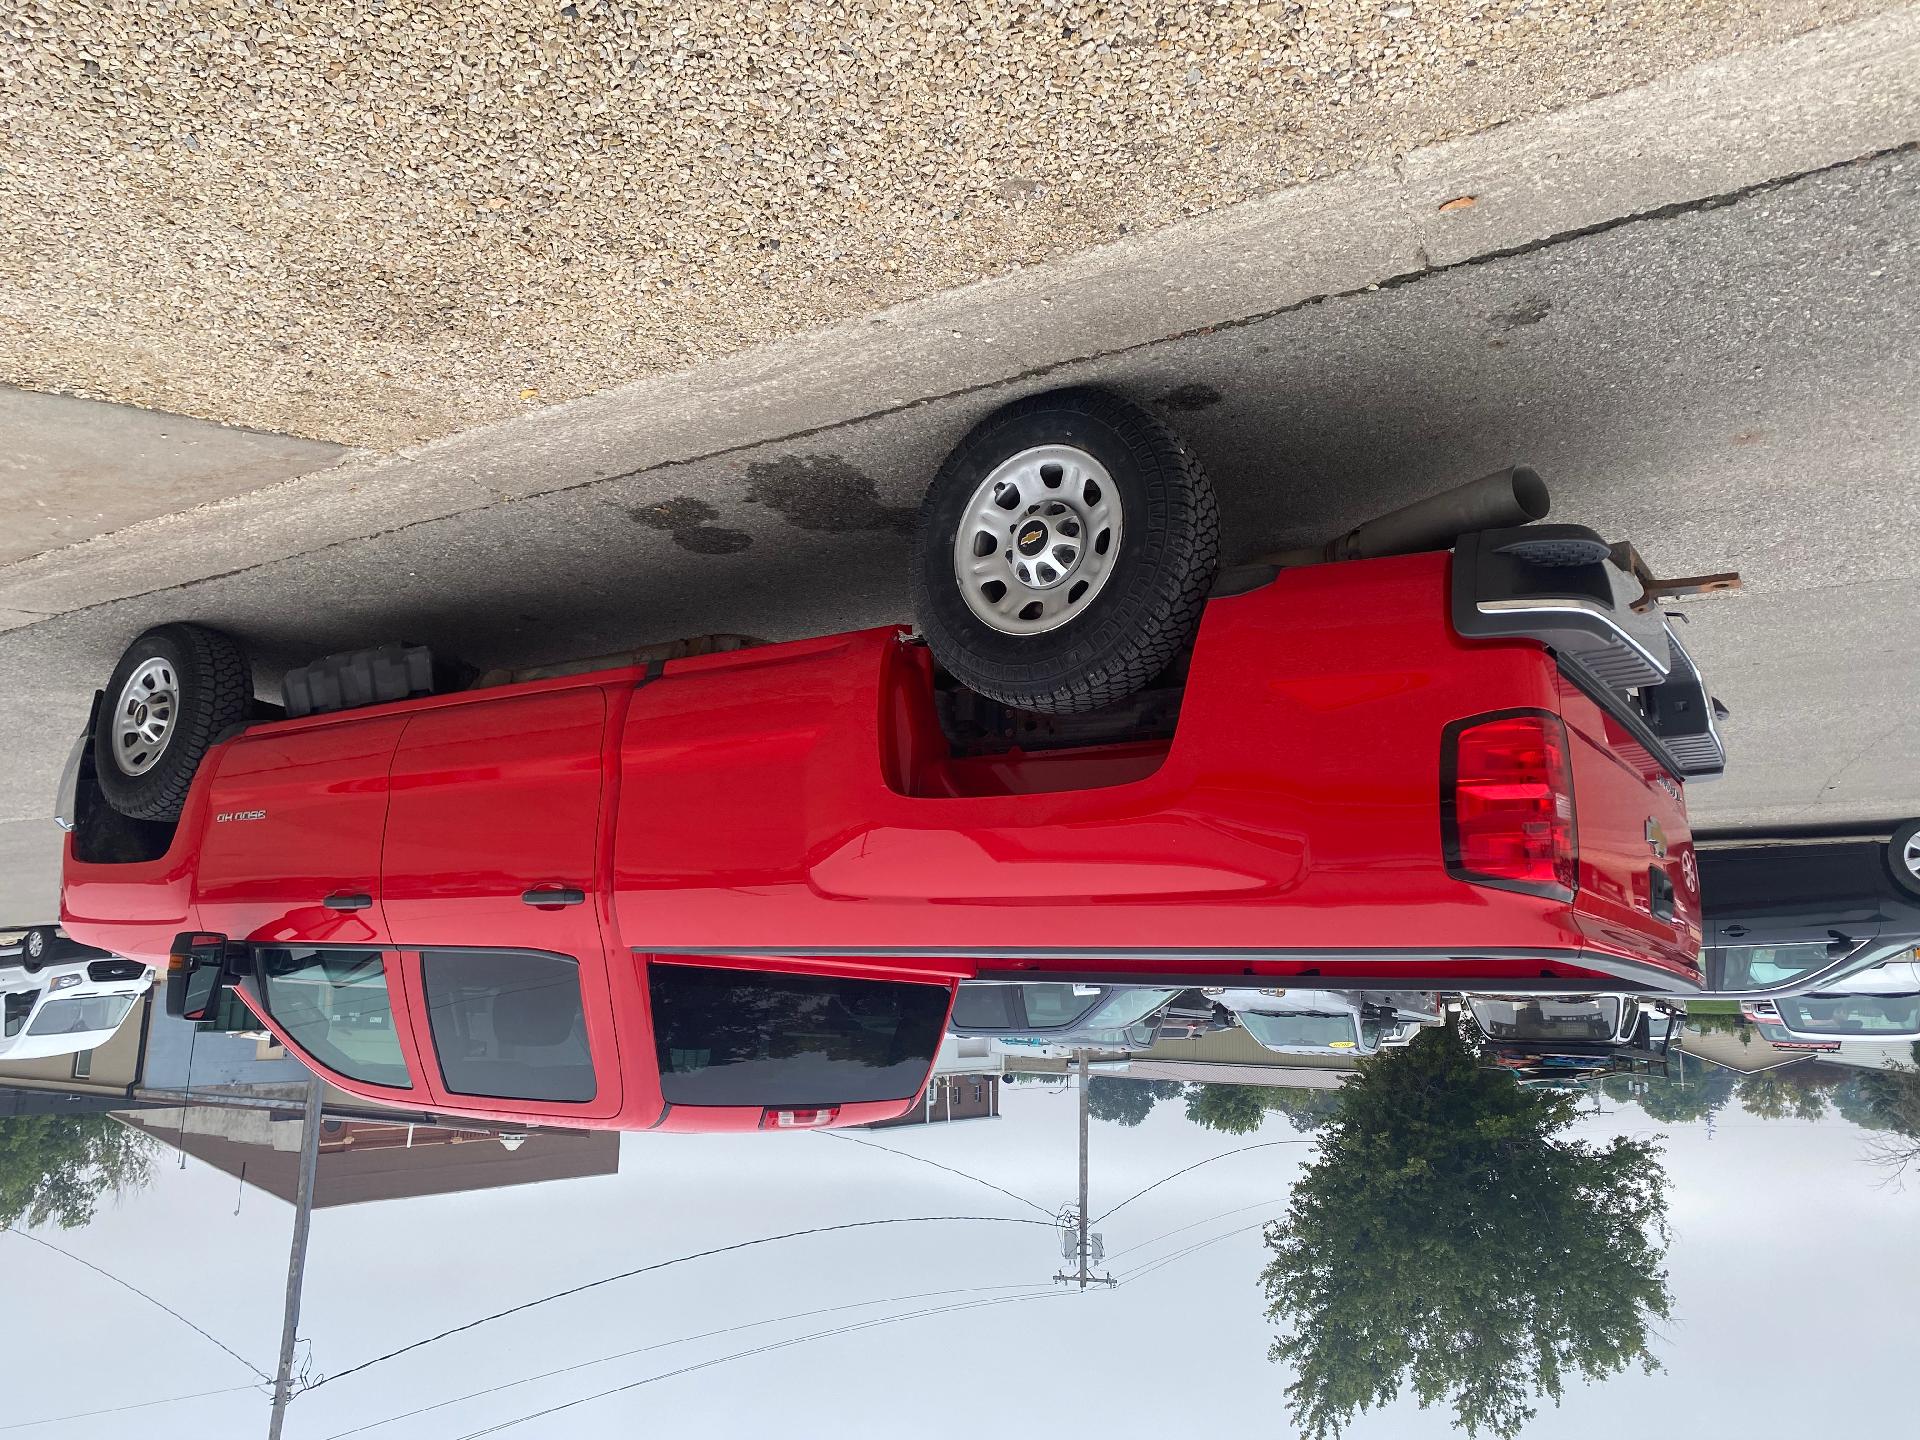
[
  {"x": 1125, "y": 1101},
  {"x": 56, "y": 1167},
  {"x": 1305, "y": 1110},
  {"x": 1796, "y": 1092},
  {"x": 1233, "y": 1109},
  {"x": 1706, "y": 1091},
  {"x": 1447, "y": 1240}
]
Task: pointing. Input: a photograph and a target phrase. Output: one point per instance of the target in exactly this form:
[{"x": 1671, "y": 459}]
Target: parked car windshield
[
  {"x": 334, "y": 1005},
  {"x": 77, "y": 1016},
  {"x": 1544, "y": 1019},
  {"x": 508, "y": 1024},
  {"x": 1850, "y": 1014},
  {"x": 744, "y": 1037},
  {"x": 1330, "y": 1032}
]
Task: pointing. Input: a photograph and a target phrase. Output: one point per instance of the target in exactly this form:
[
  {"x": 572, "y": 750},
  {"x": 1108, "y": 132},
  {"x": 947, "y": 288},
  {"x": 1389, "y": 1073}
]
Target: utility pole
[
  {"x": 297, "y": 1255},
  {"x": 1085, "y": 1246}
]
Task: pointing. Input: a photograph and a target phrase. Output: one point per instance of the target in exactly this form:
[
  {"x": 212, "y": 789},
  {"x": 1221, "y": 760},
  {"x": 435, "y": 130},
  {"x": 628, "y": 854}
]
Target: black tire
[
  {"x": 35, "y": 946},
  {"x": 1903, "y": 873},
  {"x": 1150, "y": 604},
  {"x": 215, "y": 695}
]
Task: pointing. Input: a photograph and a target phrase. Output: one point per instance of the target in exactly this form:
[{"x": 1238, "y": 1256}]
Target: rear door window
[
  {"x": 987, "y": 1007},
  {"x": 508, "y": 1024},
  {"x": 745, "y": 1037}
]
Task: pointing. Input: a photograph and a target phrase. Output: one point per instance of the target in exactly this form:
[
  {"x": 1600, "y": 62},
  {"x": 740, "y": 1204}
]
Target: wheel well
[{"x": 102, "y": 835}]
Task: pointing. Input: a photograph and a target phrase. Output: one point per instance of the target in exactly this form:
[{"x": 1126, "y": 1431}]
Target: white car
[
  {"x": 1340, "y": 1022},
  {"x": 59, "y": 997},
  {"x": 1882, "y": 1003}
]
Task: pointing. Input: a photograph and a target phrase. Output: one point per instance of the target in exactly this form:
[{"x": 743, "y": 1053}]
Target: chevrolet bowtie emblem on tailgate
[{"x": 1656, "y": 838}]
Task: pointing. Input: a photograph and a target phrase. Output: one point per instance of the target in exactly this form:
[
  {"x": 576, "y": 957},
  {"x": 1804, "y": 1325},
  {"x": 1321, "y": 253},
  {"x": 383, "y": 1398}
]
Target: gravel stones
[{"x": 377, "y": 223}]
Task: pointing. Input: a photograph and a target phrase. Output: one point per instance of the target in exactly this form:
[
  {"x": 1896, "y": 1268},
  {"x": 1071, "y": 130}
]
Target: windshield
[
  {"x": 1310, "y": 1030},
  {"x": 76, "y": 1017},
  {"x": 1864, "y": 1015},
  {"x": 744, "y": 1037},
  {"x": 334, "y": 1005},
  {"x": 1597, "y": 1018}
]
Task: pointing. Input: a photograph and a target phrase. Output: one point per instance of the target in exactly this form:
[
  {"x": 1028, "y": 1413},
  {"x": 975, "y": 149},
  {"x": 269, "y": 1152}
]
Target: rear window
[
  {"x": 77, "y": 1017},
  {"x": 508, "y": 1024},
  {"x": 744, "y": 1037}
]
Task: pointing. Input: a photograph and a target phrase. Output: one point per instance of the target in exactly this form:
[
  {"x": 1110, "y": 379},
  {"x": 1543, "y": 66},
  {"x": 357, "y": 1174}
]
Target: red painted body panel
[
  {"x": 323, "y": 793},
  {"x": 798, "y": 803}
]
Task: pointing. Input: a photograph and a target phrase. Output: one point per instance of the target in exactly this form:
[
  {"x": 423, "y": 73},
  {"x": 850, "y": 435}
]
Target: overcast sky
[{"x": 1783, "y": 1247}]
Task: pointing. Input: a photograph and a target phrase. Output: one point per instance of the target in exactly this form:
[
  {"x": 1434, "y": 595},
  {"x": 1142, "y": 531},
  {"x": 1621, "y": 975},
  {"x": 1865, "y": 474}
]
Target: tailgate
[{"x": 1637, "y": 872}]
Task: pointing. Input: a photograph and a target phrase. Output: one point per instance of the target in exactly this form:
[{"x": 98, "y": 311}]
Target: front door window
[{"x": 334, "y": 1005}]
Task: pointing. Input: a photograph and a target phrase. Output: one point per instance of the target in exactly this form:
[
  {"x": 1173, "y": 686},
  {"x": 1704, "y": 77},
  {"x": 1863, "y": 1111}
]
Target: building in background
[
  {"x": 363, "y": 1160},
  {"x": 951, "y": 1097}
]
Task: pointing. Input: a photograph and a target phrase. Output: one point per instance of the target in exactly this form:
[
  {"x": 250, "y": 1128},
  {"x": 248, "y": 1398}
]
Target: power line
[
  {"x": 158, "y": 1304},
  {"x": 909, "y": 1155},
  {"x": 665, "y": 1344},
  {"x": 664, "y": 1264},
  {"x": 1263, "y": 1145},
  {"x": 117, "y": 1409},
  {"x": 1238, "y": 1210},
  {"x": 518, "y": 1420},
  {"x": 1140, "y": 1272}
]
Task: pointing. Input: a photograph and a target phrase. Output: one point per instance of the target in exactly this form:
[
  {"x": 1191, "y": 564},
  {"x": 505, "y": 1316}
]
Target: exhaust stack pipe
[{"x": 1516, "y": 496}]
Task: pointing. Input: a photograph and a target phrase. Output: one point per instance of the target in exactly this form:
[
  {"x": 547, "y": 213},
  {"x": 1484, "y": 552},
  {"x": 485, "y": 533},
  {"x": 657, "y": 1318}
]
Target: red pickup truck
[{"x": 726, "y": 885}]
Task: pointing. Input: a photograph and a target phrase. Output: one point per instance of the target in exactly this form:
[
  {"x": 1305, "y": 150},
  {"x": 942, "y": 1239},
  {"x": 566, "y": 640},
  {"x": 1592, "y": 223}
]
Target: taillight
[
  {"x": 799, "y": 1119},
  {"x": 1506, "y": 803}
]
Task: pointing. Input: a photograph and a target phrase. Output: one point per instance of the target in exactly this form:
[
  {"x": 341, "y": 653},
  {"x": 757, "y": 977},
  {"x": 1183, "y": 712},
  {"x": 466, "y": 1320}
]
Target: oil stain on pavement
[
  {"x": 1530, "y": 311},
  {"x": 823, "y": 492},
  {"x": 689, "y": 521}
]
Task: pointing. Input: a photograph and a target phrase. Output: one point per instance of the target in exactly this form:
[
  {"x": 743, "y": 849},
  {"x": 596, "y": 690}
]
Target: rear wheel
[
  {"x": 1903, "y": 857},
  {"x": 1063, "y": 552},
  {"x": 175, "y": 692}
]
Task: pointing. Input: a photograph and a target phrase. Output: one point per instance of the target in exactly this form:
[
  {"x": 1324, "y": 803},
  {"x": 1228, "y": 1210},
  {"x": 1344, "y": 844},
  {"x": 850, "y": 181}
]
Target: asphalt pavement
[{"x": 1732, "y": 385}]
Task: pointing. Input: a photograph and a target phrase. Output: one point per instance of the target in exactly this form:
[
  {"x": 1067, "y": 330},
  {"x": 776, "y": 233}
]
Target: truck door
[
  {"x": 493, "y": 831},
  {"x": 291, "y": 849},
  {"x": 1791, "y": 894}
]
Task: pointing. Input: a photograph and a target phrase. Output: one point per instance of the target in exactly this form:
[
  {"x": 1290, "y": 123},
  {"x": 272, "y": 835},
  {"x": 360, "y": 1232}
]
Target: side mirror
[{"x": 196, "y": 973}]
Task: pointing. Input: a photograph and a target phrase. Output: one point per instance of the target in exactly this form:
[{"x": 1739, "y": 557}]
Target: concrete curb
[{"x": 1716, "y": 130}]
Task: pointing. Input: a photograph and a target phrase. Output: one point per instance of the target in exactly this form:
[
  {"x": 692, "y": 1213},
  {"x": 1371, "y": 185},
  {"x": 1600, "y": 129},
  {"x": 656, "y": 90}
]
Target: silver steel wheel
[
  {"x": 1910, "y": 855},
  {"x": 143, "y": 716},
  {"x": 36, "y": 944},
  {"x": 1038, "y": 540}
]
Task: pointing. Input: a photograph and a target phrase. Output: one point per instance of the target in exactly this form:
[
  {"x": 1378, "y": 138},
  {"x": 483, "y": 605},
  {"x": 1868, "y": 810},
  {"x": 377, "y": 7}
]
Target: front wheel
[
  {"x": 1903, "y": 856},
  {"x": 33, "y": 949},
  {"x": 1064, "y": 552},
  {"x": 175, "y": 692}
]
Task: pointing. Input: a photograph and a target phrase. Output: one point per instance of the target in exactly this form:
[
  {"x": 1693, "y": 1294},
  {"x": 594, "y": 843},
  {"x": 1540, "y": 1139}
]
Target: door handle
[
  {"x": 554, "y": 897},
  {"x": 349, "y": 902},
  {"x": 1736, "y": 930}
]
